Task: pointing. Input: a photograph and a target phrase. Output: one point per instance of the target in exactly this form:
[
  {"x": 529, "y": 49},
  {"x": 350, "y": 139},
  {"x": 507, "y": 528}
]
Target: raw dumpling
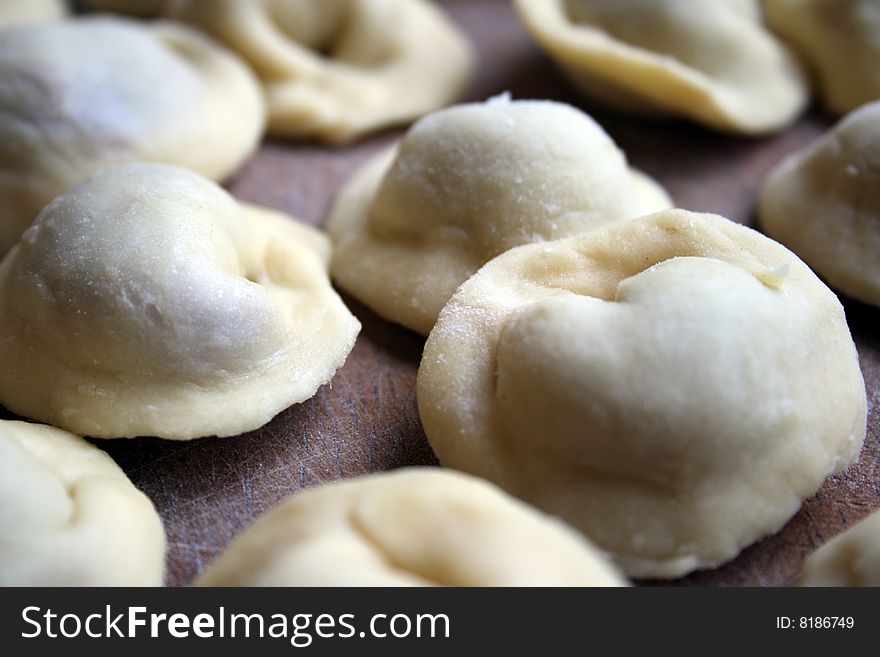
[
  {"x": 824, "y": 204},
  {"x": 77, "y": 95},
  {"x": 336, "y": 69},
  {"x": 70, "y": 517},
  {"x": 465, "y": 185},
  {"x": 674, "y": 386},
  {"x": 711, "y": 61},
  {"x": 851, "y": 559},
  {"x": 417, "y": 527},
  {"x": 840, "y": 39},
  {"x": 146, "y": 301},
  {"x": 18, "y": 12}
]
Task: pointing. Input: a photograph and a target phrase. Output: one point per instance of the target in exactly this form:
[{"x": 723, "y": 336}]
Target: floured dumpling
[
  {"x": 80, "y": 94},
  {"x": 18, "y": 12},
  {"x": 146, "y": 301},
  {"x": 840, "y": 40},
  {"x": 674, "y": 386},
  {"x": 824, "y": 204},
  {"x": 70, "y": 517},
  {"x": 711, "y": 61},
  {"x": 336, "y": 69},
  {"x": 851, "y": 559},
  {"x": 417, "y": 527},
  {"x": 466, "y": 184}
]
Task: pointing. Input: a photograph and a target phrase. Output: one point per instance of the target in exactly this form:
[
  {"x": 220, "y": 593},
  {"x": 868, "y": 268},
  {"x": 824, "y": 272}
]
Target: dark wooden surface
[{"x": 208, "y": 490}]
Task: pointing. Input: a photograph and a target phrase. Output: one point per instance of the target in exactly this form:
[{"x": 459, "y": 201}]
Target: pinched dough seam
[{"x": 363, "y": 533}]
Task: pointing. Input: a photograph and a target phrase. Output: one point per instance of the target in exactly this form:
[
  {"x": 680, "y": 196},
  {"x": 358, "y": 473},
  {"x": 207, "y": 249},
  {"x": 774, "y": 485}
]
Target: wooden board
[{"x": 366, "y": 421}]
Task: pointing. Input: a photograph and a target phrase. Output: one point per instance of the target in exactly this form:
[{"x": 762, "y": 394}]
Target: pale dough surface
[
  {"x": 824, "y": 203},
  {"x": 337, "y": 69},
  {"x": 147, "y": 301},
  {"x": 674, "y": 386},
  {"x": 711, "y": 61},
  {"x": 19, "y": 12},
  {"x": 840, "y": 40},
  {"x": 70, "y": 517},
  {"x": 416, "y": 527},
  {"x": 464, "y": 185},
  {"x": 850, "y": 559},
  {"x": 80, "y": 94}
]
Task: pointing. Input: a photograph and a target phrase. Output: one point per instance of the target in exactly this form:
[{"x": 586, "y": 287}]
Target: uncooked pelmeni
[
  {"x": 663, "y": 384},
  {"x": 467, "y": 184},
  {"x": 416, "y": 527},
  {"x": 70, "y": 517},
  {"x": 711, "y": 61},
  {"x": 142, "y": 8},
  {"x": 851, "y": 559},
  {"x": 146, "y": 301},
  {"x": 337, "y": 69},
  {"x": 19, "y": 12},
  {"x": 80, "y": 94},
  {"x": 840, "y": 40},
  {"x": 824, "y": 203}
]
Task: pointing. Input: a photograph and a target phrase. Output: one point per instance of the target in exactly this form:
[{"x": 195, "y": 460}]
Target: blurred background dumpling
[
  {"x": 335, "y": 70},
  {"x": 839, "y": 40},
  {"x": 823, "y": 202},
  {"x": 711, "y": 61},
  {"x": 80, "y": 94}
]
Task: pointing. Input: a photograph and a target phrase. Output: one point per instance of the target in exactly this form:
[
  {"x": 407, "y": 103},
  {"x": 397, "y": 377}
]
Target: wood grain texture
[{"x": 208, "y": 490}]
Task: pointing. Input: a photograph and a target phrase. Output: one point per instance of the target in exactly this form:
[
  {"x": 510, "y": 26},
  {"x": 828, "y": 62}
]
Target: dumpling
[
  {"x": 78, "y": 95},
  {"x": 18, "y": 12},
  {"x": 337, "y": 69},
  {"x": 711, "y": 61},
  {"x": 851, "y": 559},
  {"x": 824, "y": 204},
  {"x": 70, "y": 517},
  {"x": 840, "y": 40},
  {"x": 146, "y": 301},
  {"x": 466, "y": 184},
  {"x": 662, "y": 384},
  {"x": 417, "y": 527}
]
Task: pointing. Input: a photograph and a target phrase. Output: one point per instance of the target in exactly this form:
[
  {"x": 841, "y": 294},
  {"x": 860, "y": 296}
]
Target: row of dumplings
[
  {"x": 147, "y": 301},
  {"x": 80, "y": 93},
  {"x": 163, "y": 91},
  {"x": 78, "y": 521},
  {"x": 657, "y": 379},
  {"x": 331, "y": 69},
  {"x": 716, "y": 62}
]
